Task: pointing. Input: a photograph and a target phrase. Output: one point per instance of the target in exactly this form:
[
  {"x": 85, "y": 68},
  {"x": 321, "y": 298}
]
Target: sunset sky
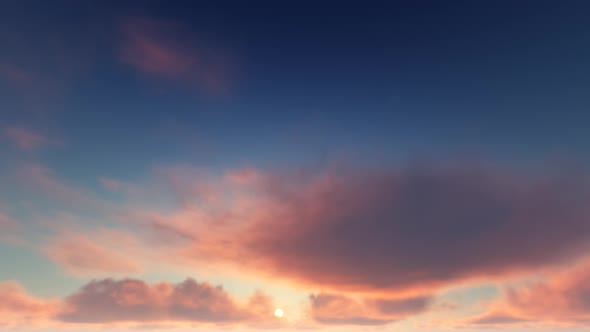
[{"x": 294, "y": 166}]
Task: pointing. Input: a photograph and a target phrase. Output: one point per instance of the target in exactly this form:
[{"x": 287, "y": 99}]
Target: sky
[{"x": 361, "y": 166}]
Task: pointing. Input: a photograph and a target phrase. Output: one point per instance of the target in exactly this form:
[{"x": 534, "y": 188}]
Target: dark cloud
[{"x": 412, "y": 229}]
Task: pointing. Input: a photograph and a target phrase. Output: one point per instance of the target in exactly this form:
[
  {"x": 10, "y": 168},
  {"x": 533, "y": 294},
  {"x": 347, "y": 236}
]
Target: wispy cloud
[
  {"x": 334, "y": 309},
  {"x": 560, "y": 298},
  {"x": 15, "y": 75},
  {"x": 103, "y": 252},
  {"x": 18, "y": 308},
  {"x": 168, "y": 50},
  {"x": 25, "y": 139}
]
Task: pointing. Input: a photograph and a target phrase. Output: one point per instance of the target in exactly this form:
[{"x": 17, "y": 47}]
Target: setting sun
[{"x": 279, "y": 313}]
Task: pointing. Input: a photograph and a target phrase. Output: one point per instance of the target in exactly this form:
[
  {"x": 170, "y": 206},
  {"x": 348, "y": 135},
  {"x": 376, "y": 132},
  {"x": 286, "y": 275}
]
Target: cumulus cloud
[
  {"x": 344, "y": 310},
  {"x": 131, "y": 300},
  {"x": 111, "y": 301}
]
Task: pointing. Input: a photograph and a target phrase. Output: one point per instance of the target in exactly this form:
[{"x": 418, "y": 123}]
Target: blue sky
[{"x": 391, "y": 164}]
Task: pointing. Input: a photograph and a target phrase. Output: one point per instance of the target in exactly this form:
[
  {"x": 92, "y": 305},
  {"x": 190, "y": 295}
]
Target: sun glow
[{"x": 279, "y": 313}]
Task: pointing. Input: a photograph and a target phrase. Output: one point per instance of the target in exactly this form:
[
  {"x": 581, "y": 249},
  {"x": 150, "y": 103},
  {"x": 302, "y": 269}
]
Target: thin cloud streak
[
  {"x": 161, "y": 49},
  {"x": 560, "y": 298},
  {"x": 332, "y": 309},
  {"x": 25, "y": 139}
]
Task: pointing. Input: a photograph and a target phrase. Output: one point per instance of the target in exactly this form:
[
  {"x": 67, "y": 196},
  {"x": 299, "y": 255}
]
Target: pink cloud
[
  {"x": 24, "y": 138},
  {"x": 131, "y": 300},
  {"x": 562, "y": 298},
  {"x": 15, "y": 75},
  {"x": 149, "y": 49},
  {"x": 344, "y": 310},
  {"x": 18, "y": 308},
  {"x": 105, "y": 251},
  {"x": 109, "y": 302},
  {"x": 6, "y": 222},
  {"x": 397, "y": 230},
  {"x": 166, "y": 49}
]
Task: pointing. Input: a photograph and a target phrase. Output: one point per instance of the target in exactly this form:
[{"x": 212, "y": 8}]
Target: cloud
[
  {"x": 6, "y": 222},
  {"x": 166, "y": 49},
  {"x": 105, "y": 251},
  {"x": 39, "y": 179},
  {"x": 18, "y": 308},
  {"x": 25, "y": 139},
  {"x": 393, "y": 230},
  {"x": 131, "y": 300},
  {"x": 561, "y": 298},
  {"x": 497, "y": 318},
  {"x": 343, "y": 310},
  {"x": 15, "y": 75}
]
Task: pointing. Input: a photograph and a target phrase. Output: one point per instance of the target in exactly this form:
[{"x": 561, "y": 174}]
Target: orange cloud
[
  {"x": 136, "y": 303},
  {"x": 40, "y": 179},
  {"x": 17, "y": 308},
  {"x": 563, "y": 298},
  {"x": 342, "y": 310},
  {"x": 106, "y": 251},
  {"x": 24, "y": 138}
]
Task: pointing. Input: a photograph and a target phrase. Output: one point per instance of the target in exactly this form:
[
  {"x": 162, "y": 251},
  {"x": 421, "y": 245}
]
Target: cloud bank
[{"x": 414, "y": 229}]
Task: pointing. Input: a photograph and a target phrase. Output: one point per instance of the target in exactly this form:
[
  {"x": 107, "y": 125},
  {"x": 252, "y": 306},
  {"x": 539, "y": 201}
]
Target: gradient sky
[{"x": 365, "y": 166}]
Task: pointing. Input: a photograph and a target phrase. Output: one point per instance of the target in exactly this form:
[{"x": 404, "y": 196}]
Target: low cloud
[
  {"x": 333, "y": 309},
  {"x": 132, "y": 300},
  {"x": 106, "y": 251},
  {"x": 562, "y": 298}
]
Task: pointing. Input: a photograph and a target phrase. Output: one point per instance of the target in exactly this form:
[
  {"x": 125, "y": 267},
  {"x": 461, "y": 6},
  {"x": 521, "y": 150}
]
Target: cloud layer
[
  {"x": 560, "y": 298},
  {"x": 334, "y": 309},
  {"x": 134, "y": 300},
  {"x": 394, "y": 230}
]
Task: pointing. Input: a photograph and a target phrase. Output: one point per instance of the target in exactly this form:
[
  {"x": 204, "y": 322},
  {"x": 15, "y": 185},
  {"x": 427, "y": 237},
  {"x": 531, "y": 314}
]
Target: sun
[{"x": 279, "y": 313}]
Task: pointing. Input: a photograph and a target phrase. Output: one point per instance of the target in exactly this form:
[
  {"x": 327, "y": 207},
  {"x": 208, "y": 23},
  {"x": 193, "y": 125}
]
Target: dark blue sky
[{"x": 303, "y": 81}]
